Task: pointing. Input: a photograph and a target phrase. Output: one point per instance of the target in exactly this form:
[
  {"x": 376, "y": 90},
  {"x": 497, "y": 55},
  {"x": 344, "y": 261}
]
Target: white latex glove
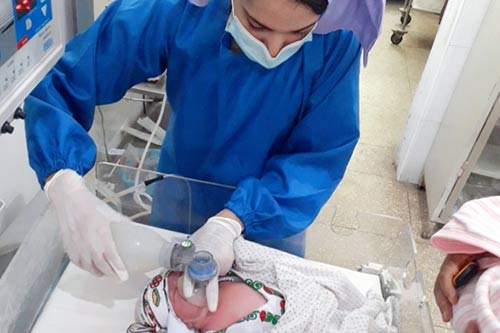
[
  {"x": 217, "y": 237},
  {"x": 85, "y": 225}
]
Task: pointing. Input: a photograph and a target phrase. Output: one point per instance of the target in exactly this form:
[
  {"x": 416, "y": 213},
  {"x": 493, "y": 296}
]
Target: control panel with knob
[{"x": 30, "y": 45}]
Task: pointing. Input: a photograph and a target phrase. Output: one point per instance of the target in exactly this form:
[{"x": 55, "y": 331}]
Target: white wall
[
  {"x": 65, "y": 9},
  {"x": 433, "y": 6},
  {"x": 449, "y": 53},
  {"x": 99, "y": 6}
]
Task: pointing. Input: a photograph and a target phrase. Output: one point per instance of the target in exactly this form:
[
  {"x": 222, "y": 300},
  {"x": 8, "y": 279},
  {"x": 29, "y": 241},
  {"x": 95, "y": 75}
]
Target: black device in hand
[{"x": 466, "y": 274}]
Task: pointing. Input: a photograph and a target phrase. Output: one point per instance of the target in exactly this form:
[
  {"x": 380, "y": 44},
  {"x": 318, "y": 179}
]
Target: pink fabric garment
[{"x": 475, "y": 229}]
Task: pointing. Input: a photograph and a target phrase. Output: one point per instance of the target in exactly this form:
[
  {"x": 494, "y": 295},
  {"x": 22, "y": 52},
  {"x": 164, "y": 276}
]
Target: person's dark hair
[{"x": 318, "y": 6}]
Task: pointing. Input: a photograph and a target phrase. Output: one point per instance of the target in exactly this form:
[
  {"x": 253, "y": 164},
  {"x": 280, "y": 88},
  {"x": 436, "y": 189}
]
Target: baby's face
[{"x": 192, "y": 316}]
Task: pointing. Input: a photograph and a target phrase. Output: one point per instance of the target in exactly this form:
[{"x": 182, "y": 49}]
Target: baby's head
[
  {"x": 195, "y": 317},
  {"x": 162, "y": 307}
]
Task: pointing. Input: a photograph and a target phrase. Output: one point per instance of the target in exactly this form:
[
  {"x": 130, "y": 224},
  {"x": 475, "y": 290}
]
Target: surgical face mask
[{"x": 255, "y": 50}]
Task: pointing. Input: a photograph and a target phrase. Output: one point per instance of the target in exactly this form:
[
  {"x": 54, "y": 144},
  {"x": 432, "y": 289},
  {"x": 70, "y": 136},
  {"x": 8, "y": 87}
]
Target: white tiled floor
[{"x": 361, "y": 218}]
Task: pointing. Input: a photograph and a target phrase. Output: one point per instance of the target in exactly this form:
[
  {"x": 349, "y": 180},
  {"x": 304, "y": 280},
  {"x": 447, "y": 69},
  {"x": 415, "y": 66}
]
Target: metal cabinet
[
  {"x": 478, "y": 175},
  {"x": 464, "y": 161}
]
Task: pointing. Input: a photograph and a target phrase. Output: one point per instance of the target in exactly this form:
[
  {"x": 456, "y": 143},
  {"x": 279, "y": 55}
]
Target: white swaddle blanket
[{"x": 319, "y": 298}]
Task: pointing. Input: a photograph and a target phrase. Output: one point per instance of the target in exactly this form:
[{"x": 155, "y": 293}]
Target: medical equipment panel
[{"x": 30, "y": 44}]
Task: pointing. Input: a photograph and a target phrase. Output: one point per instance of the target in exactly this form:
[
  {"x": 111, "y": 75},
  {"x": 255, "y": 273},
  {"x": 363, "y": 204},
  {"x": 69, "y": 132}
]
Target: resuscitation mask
[{"x": 255, "y": 50}]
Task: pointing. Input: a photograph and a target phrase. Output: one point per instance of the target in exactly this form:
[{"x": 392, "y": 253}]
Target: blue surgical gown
[{"x": 283, "y": 137}]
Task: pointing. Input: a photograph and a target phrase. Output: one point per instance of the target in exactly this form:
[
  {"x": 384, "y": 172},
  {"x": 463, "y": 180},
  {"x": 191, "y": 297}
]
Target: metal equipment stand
[{"x": 400, "y": 30}]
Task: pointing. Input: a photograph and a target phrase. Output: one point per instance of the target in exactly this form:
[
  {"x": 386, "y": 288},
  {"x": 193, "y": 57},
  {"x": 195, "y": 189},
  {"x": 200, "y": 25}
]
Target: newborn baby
[{"x": 244, "y": 306}]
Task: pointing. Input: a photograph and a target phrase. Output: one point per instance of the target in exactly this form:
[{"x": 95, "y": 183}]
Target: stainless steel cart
[{"x": 401, "y": 28}]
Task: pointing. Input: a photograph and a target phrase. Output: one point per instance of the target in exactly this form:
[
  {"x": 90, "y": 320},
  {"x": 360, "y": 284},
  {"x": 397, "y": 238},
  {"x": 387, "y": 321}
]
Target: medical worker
[{"x": 264, "y": 97}]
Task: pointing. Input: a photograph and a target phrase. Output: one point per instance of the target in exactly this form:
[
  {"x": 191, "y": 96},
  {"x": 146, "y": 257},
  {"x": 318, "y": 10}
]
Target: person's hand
[
  {"x": 217, "y": 237},
  {"x": 444, "y": 291},
  {"x": 85, "y": 225}
]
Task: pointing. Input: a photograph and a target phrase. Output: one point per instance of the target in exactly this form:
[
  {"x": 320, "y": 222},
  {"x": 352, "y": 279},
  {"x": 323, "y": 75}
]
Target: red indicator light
[
  {"x": 27, "y": 8},
  {"x": 19, "y": 8},
  {"x": 22, "y": 42},
  {"x": 26, "y": 2}
]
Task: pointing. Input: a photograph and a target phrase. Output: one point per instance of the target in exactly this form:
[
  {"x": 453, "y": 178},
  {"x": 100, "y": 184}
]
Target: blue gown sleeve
[
  {"x": 296, "y": 183},
  {"x": 125, "y": 46}
]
